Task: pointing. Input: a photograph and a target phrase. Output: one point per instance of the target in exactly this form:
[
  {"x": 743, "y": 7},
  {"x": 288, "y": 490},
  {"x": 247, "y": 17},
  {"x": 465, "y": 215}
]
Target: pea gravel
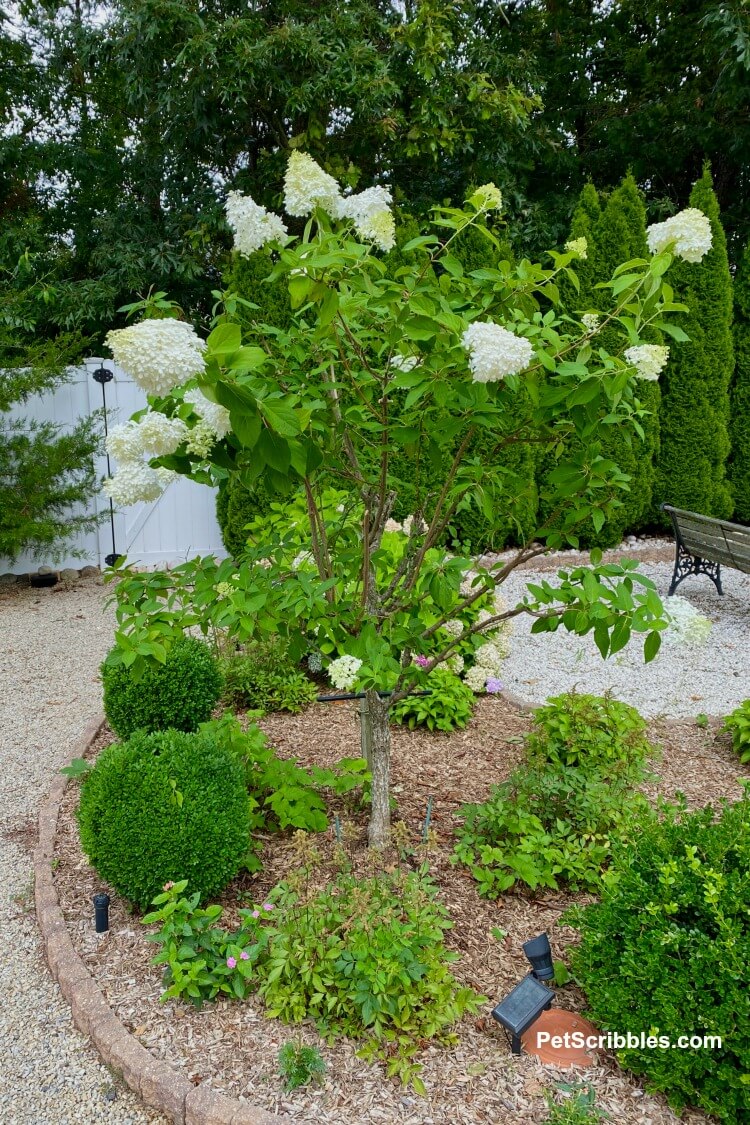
[
  {"x": 51, "y": 645},
  {"x": 683, "y": 681}
]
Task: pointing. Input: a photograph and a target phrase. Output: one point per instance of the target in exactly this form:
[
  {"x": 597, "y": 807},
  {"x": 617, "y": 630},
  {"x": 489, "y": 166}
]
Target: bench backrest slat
[{"x": 717, "y": 540}]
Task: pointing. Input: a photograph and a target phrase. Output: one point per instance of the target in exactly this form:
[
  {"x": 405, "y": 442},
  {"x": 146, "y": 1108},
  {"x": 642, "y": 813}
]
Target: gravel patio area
[{"x": 51, "y": 644}]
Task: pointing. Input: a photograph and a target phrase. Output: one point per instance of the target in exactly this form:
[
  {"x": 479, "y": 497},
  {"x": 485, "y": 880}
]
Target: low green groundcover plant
[
  {"x": 590, "y": 731},
  {"x": 578, "y": 1108},
  {"x": 666, "y": 952},
  {"x": 180, "y": 693},
  {"x": 448, "y": 704},
  {"x": 364, "y": 958},
  {"x": 264, "y": 677},
  {"x": 555, "y": 818},
  {"x": 163, "y": 806},
  {"x": 299, "y": 1064},
  {"x": 738, "y": 725}
]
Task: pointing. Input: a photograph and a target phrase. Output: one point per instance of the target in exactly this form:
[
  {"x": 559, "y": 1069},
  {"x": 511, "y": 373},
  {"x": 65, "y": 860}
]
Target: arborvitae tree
[
  {"x": 694, "y": 415},
  {"x": 615, "y": 233},
  {"x": 739, "y": 430}
]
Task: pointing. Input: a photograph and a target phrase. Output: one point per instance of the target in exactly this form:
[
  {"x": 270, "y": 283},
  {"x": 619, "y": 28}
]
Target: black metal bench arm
[{"x": 686, "y": 563}]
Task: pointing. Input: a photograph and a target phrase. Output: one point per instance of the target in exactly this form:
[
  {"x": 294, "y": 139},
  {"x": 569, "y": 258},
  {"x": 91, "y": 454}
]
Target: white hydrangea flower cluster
[
  {"x": 307, "y": 186},
  {"x": 213, "y": 424},
  {"x": 130, "y": 444},
  {"x": 687, "y": 624},
  {"x": 224, "y": 589},
  {"x": 488, "y": 663},
  {"x": 160, "y": 436},
  {"x": 687, "y": 234},
  {"x": 591, "y": 321},
  {"x": 577, "y": 246},
  {"x": 649, "y": 360},
  {"x": 315, "y": 661},
  {"x": 124, "y": 442},
  {"x": 251, "y": 224},
  {"x": 370, "y": 212},
  {"x": 494, "y": 352},
  {"x": 456, "y": 663},
  {"x": 158, "y": 354},
  {"x": 136, "y": 481},
  {"x": 490, "y": 197},
  {"x": 342, "y": 672},
  {"x": 454, "y": 628}
]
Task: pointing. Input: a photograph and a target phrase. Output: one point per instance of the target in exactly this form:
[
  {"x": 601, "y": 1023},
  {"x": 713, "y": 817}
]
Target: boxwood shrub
[
  {"x": 666, "y": 952},
  {"x": 162, "y": 807},
  {"x": 180, "y": 693}
]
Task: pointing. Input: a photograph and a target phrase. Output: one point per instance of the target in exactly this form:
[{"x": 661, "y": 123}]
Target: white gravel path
[
  {"x": 51, "y": 644},
  {"x": 683, "y": 680}
]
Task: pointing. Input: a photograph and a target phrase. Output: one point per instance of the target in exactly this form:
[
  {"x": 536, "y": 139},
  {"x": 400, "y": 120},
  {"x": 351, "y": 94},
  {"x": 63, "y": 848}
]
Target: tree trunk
[{"x": 380, "y": 813}]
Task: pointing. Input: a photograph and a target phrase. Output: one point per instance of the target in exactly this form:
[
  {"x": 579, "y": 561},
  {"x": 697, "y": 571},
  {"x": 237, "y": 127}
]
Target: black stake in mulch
[
  {"x": 101, "y": 913},
  {"x": 102, "y": 376}
]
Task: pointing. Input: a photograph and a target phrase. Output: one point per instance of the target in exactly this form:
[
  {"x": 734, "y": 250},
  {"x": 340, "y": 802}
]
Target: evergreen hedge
[
  {"x": 694, "y": 414},
  {"x": 739, "y": 465}
]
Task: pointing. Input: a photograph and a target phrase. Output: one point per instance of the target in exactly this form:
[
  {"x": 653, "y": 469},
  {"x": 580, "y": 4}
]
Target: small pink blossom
[
  {"x": 268, "y": 906},
  {"x": 231, "y": 962},
  {"x": 493, "y": 686},
  {"x": 244, "y": 956},
  {"x": 256, "y": 914},
  {"x": 422, "y": 661}
]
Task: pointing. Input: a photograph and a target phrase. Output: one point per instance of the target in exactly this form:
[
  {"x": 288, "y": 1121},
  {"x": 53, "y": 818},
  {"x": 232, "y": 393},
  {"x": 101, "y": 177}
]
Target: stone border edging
[{"x": 157, "y": 1083}]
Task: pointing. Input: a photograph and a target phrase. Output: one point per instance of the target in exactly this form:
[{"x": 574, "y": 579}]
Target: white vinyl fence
[{"x": 178, "y": 526}]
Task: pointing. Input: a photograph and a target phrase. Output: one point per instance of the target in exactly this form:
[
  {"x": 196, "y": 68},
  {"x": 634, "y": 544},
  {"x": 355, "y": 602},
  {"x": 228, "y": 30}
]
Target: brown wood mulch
[{"x": 234, "y": 1047}]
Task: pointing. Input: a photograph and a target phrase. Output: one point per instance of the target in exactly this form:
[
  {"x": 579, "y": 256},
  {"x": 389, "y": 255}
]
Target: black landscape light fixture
[
  {"x": 521, "y": 1008},
  {"x": 539, "y": 954},
  {"x": 101, "y": 913}
]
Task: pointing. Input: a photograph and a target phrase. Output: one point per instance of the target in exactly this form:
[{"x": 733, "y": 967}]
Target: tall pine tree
[
  {"x": 694, "y": 414},
  {"x": 739, "y": 465}
]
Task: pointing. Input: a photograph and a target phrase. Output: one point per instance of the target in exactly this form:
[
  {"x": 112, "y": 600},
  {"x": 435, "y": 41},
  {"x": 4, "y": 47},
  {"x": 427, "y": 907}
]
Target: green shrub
[
  {"x": 738, "y": 725},
  {"x": 363, "y": 958},
  {"x": 236, "y": 507},
  {"x": 739, "y": 426},
  {"x": 666, "y": 952},
  {"x": 547, "y": 824},
  {"x": 165, "y": 806},
  {"x": 299, "y": 1065},
  {"x": 181, "y": 693},
  {"x": 555, "y": 818},
  {"x": 449, "y": 706},
  {"x": 263, "y": 677},
  {"x": 366, "y": 958},
  {"x": 590, "y": 732}
]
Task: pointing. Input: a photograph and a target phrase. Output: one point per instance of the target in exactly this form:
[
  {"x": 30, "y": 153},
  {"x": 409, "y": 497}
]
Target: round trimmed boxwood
[
  {"x": 181, "y": 693},
  {"x": 165, "y": 806}
]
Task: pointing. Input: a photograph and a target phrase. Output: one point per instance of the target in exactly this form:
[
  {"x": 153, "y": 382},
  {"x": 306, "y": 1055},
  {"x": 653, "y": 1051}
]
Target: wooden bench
[{"x": 703, "y": 545}]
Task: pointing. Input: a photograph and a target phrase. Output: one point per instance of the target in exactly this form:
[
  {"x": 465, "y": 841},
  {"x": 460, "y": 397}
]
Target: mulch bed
[{"x": 234, "y": 1047}]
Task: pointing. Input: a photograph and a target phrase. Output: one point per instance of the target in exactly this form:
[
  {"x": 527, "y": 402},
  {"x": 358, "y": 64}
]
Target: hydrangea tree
[{"x": 369, "y": 362}]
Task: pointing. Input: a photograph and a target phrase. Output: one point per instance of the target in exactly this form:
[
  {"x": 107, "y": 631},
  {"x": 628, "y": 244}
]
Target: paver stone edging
[{"x": 154, "y": 1080}]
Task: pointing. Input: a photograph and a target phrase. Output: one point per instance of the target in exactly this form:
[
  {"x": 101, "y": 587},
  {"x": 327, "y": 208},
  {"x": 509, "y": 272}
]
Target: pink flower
[
  {"x": 256, "y": 914},
  {"x": 268, "y": 906},
  {"x": 244, "y": 956},
  {"x": 422, "y": 661},
  {"x": 493, "y": 686},
  {"x": 231, "y": 962}
]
